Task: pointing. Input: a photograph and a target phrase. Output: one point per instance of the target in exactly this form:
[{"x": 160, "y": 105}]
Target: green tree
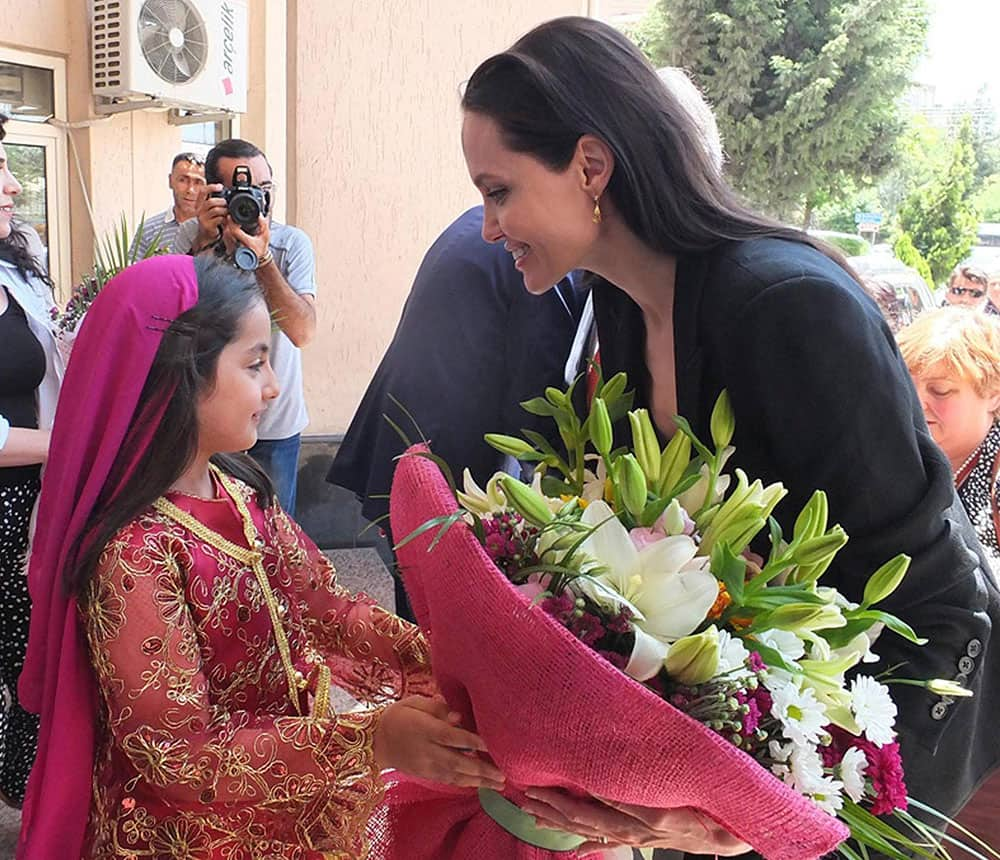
[
  {"x": 988, "y": 200},
  {"x": 906, "y": 253},
  {"x": 940, "y": 217},
  {"x": 805, "y": 92}
]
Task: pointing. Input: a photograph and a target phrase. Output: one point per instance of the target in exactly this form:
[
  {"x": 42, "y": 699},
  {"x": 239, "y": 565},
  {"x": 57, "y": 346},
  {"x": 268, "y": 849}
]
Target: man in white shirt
[{"x": 186, "y": 180}]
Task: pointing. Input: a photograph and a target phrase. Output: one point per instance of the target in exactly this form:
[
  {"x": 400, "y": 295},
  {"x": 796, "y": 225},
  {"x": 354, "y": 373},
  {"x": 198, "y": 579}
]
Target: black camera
[{"x": 246, "y": 201}]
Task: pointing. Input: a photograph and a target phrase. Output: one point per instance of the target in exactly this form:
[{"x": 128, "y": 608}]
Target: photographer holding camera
[{"x": 234, "y": 223}]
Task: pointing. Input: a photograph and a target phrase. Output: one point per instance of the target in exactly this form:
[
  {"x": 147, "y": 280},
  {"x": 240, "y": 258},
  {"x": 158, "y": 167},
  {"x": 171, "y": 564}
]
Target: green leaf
[
  {"x": 685, "y": 428},
  {"x": 893, "y": 623},
  {"x": 731, "y": 570},
  {"x": 424, "y": 527},
  {"x": 540, "y": 406}
]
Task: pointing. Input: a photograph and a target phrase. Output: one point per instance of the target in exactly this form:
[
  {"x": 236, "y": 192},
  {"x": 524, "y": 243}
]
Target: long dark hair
[
  {"x": 575, "y": 76},
  {"x": 185, "y": 364}
]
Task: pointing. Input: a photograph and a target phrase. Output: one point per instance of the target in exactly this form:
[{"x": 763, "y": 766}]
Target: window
[{"x": 33, "y": 90}]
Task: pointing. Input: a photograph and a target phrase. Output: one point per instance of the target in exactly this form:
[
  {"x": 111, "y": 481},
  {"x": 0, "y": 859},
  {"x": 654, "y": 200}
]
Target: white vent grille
[
  {"x": 107, "y": 37},
  {"x": 169, "y": 53}
]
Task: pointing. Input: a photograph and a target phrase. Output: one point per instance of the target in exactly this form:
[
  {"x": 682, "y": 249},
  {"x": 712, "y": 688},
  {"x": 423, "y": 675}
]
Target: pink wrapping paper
[{"x": 554, "y": 713}]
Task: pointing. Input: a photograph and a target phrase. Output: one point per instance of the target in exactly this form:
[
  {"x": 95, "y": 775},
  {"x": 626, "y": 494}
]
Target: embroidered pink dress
[{"x": 214, "y": 629}]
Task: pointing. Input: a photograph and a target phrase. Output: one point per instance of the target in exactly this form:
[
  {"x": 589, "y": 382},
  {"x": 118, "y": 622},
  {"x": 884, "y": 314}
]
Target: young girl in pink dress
[{"x": 185, "y": 632}]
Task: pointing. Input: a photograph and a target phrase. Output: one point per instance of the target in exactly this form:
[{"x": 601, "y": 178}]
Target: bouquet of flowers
[{"x": 608, "y": 629}]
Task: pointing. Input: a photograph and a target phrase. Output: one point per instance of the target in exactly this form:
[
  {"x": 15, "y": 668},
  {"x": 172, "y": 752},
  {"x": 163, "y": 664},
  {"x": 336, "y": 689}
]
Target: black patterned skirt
[{"x": 18, "y": 729}]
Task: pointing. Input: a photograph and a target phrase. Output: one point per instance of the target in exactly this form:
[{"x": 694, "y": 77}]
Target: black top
[
  {"x": 22, "y": 369},
  {"x": 472, "y": 343},
  {"x": 823, "y": 400}
]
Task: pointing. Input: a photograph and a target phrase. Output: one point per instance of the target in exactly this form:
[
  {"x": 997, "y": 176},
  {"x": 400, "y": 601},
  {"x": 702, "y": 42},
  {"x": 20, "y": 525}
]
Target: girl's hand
[
  {"x": 419, "y": 736},
  {"x": 608, "y": 824}
]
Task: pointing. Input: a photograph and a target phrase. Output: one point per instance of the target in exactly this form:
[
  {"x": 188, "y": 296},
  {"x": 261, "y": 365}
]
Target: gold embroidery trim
[{"x": 254, "y": 560}]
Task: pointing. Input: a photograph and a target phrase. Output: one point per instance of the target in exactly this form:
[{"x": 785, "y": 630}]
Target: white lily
[
  {"x": 693, "y": 498},
  {"x": 480, "y": 501},
  {"x": 668, "y": 589}
]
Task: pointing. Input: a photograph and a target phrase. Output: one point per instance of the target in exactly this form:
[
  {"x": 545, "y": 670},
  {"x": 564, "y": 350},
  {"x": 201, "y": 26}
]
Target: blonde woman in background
[{"x": 954, "y": 357}]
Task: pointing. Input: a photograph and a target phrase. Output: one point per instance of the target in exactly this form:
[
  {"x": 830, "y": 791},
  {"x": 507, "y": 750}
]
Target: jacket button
[
  {"x": 939, "y": 711},
  {"x": 961, "y": 678},
  {"x": 974, "y": 648},
  {"x": 966, "y": 664}
]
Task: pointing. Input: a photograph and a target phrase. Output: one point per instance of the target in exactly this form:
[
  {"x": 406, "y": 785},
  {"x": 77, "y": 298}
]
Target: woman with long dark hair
[
  {"x": 185, "y": 632},
  {"x": 30, "y": 373},
  {"x": 585, "y": 160}
]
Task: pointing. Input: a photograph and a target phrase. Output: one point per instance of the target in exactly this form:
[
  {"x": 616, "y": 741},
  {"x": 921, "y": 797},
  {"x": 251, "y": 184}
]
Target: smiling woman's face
[
  {"x": 544, "y": 217},
  {"x": 9, "y": 188}
]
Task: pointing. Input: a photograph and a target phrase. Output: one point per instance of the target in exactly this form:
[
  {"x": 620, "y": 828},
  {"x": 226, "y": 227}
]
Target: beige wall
[
  {"x": 356, "y": 105},
  {"x": 380, "y": 168}
]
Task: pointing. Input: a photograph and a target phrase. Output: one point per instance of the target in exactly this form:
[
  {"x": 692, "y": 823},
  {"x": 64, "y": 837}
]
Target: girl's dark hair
[
  {"x": 185, "y": 364},
  {"x": 575, "y": 76}
]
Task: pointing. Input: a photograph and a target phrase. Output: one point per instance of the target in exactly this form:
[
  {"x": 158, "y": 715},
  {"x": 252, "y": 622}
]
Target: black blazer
[
  {"x": 823, "y": 401},
  {"x": 471, "y": 344}
]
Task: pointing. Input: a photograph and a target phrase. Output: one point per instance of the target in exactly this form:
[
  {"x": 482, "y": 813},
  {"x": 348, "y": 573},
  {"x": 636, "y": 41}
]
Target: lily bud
[
  {"x": 793, "y": 616},
  {"x": 555, "y": 396},
  {"x": 885, "y": 580},
  {"x": 811, "y": 520},
  {"x": 819, "y": 550},
  {"x": 723, "y": 422},
  {"x": 510, "y": 445},
  {"x": 631, "y": 484},
  {"x": 614, "y": 387},
  {"x": 528, "y": 503},
  {"x": 673, "y": 461},
  {"x": 673, "y": 519},
  {"x": 694, "y": 659},
  {"x": 600, "y": 427},
  {"x": 647, "y": 448},
  {"x": 942, "y": 687}
]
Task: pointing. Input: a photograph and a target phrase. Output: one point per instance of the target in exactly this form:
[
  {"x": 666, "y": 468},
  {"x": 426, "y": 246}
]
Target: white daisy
[
  {"x": 807, "y": 770},
  {"x": 874, "y": 709},
  {"x": 851, "y": 771},
  {"x": 802, "y": 717},
  {"x": 827, "y": 795},
  {"x": 733, "y": 654}
]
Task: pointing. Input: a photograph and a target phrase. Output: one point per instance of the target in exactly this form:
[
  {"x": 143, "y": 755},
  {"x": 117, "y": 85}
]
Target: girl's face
[
  {"x": 957, "y": 416},
  {"x": 544, "y": 217},
  {"x": 9, "y": 189},
  {"x": 229, "y": 413}
]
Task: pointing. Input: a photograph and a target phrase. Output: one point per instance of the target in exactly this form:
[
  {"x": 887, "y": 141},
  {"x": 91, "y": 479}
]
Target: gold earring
[{"x": 597, "y": 210}]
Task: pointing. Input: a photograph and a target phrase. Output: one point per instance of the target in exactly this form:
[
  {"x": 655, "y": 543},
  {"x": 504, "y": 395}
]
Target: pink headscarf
[{"x": 111, "y": 360}]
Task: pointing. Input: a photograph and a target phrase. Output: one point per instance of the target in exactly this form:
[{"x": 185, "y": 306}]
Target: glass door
[{"x": 36, "y": 157}]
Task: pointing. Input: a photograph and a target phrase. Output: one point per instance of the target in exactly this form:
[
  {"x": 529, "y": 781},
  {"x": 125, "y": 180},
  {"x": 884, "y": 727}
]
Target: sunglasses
[{"x": 967, "y": 291}]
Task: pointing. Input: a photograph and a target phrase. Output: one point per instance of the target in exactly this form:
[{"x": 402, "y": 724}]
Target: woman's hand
[
  {"x": 608, "y": 824},
  {"x": 419, "y": 736}
]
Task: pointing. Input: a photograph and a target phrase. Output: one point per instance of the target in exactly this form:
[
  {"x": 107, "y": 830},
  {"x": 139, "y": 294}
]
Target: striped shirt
[{"x": 163, "y": 224}]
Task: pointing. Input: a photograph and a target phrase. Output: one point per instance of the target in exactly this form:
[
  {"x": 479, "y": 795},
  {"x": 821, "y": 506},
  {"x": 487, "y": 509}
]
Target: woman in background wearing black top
[{"x": 30, "y": 372}]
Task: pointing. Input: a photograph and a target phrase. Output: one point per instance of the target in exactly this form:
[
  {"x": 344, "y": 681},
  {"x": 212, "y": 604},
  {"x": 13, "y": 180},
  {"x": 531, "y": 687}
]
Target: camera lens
[{"x": 244, "y": 209}]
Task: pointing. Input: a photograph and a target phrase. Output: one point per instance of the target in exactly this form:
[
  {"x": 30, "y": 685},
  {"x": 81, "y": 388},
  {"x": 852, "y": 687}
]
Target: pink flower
[
  {"x": 643, "y": 537},
  {"x": 532, "y": 587},
  {"x": 885, "y": 768}
]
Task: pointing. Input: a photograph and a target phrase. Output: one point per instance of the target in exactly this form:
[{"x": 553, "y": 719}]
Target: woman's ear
[
  {"x": 596, "y": 163},
  {"x": 994, "y": 405}
]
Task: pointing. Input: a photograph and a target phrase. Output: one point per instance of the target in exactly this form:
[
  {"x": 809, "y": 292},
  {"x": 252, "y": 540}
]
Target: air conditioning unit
[{"x": 179, "y": 53}]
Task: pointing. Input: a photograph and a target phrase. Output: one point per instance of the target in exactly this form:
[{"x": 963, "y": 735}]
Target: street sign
[{"x": 867, "y": 218}]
